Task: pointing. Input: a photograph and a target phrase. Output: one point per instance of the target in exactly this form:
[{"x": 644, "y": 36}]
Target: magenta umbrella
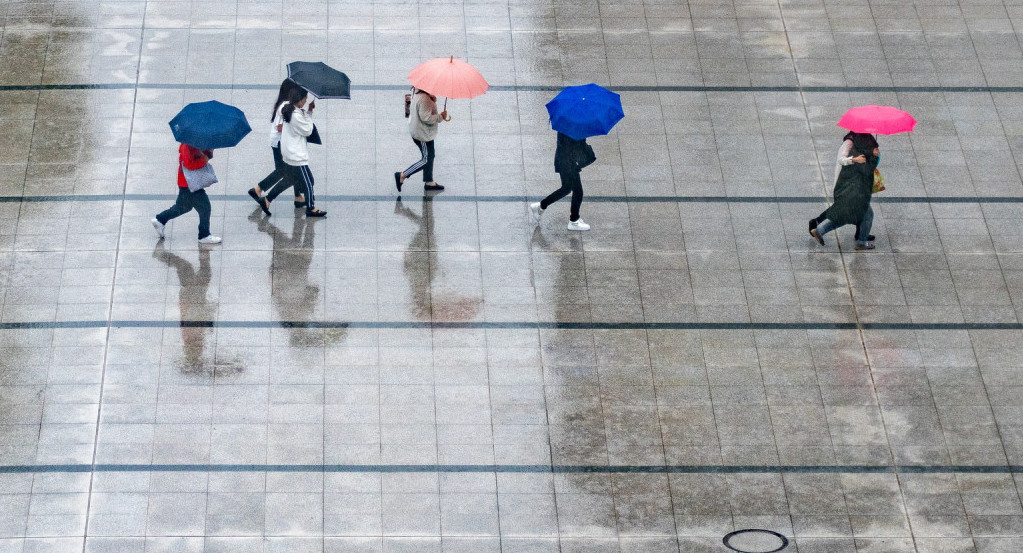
[{"x": 877, "y": 120}]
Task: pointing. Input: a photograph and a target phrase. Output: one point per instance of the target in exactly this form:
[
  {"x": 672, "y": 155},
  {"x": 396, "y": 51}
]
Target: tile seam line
[
  {"x": 524, "y": 88},
  {"x": 509, "y": 325},
  {"x": 455, "y": 198},
  {"x": 526, "y": 469}
]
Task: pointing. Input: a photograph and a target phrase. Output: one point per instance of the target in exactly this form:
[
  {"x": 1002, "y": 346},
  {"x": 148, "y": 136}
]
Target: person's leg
[
  {"x": 418, "y": 165},
  {"x": 428, "y": 167},
  {"x": 864, "y": 226},
  {"x": 274, "y": 176},
  {"x": 566, "y": 188},
  {"x": 182, "y": 205},
  {"x": 827, "y": 226},
  {"x": 307, "y": 179},
  {"x": 201, "y": 202},
  {"x": 290, "y": 178},
  {"x": 577, "y": 197}
]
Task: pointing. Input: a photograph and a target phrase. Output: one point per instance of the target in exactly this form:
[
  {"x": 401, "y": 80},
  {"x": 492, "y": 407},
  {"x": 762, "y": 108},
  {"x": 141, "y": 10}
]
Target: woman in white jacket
[
  {"x": 296, "y": 126},
  {"x": 422, "y": 125}
]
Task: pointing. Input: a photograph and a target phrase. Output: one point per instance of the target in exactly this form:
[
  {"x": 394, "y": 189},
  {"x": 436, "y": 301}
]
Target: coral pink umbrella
[
  {"x": 450, "y": 78},
  {"x": 877, "y": 120}
]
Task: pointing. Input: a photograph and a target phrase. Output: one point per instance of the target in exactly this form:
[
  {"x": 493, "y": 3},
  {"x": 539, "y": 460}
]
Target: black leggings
[
  {"x": 275, "y": 183},
  {"x": 570, "y": 182},
  {"x": 425, "y": 164}
]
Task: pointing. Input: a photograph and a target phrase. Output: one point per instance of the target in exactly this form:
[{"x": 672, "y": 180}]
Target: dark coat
[
  {"x": 852, "y": 191},
  {"x": 570, "y": 155}
]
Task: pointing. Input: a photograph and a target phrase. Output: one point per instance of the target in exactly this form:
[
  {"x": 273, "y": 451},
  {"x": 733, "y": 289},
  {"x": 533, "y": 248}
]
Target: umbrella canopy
[
  {"x": 450, "y": 78},
  {"x": 321, "y": 79},
  {"x": 210, "y": 125},
  {"x": 584, "y": 111},
  {"x": 877, "y": 120}
]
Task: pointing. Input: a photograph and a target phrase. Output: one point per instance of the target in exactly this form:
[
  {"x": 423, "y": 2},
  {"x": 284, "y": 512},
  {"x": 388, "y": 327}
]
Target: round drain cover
[{"x": 754, "y": 540}]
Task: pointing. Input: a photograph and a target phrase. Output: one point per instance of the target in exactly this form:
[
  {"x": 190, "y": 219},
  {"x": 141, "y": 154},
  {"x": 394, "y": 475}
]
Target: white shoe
[
  {"x": 578, "y": 224},
  {"x": 536, "y": 211},
  {"x": 210, "y": 240},
  {"x": 158, "y": 226}
]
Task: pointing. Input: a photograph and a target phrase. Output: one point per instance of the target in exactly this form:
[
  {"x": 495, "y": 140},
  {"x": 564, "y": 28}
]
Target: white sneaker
[
  {"x": 536, "y": 211},
  {"x": 158, "y": 226},
  {"x": 578, "y": 224},
  {"x": 210, "y": 240}
]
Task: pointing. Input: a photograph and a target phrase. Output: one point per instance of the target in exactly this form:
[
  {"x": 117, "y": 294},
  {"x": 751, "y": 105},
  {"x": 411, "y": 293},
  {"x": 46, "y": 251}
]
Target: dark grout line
[
  {"x": 521, "y": 469},
  {"x": 524, "y": 88},
  {"x": 521, "y": 199},
  {"x": 509, "y": 325}
]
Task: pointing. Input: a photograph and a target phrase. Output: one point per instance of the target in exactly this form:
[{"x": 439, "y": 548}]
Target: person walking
[
  {"x": 275, "y": 176},
  {"x": 852, "y": 194},
  {"x": 569, "y": 158},
  {"x": 845, "y": 159},
  {"x": 296, "y": 115},
  {"x": 422, "y": 125},
  {"x": 192, "y": 159}
]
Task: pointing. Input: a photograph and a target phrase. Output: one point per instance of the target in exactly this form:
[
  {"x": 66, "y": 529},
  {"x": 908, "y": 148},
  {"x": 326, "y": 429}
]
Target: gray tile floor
[{"x": 436, "y": 374}]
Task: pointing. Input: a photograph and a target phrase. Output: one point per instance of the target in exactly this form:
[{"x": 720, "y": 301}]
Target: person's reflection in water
[
  {"x": 196, "y": 312},
  {"x": 293, "y": 295},
  {"x": 422, "y": 267},
  {"x": 571, "y": 303}
]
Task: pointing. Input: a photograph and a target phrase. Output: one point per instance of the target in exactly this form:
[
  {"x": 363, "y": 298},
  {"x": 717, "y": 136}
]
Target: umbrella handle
[{"x": 448, "y": 118}]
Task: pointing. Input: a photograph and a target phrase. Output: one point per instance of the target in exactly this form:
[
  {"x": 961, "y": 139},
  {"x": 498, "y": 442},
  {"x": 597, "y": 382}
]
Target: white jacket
[
  {"x": 423, "y": 117},
  {"x": 294, "y": 147}
]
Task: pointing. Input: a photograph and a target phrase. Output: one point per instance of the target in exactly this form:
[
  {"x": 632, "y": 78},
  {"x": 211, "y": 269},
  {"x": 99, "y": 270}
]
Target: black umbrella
[{"x": 321, "y": 79}]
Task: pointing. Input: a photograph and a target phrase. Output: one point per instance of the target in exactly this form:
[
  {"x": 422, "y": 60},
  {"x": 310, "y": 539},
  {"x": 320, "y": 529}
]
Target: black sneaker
[
  {"x": 432, "y": 187},
  {"x": 397, "y": 180}
]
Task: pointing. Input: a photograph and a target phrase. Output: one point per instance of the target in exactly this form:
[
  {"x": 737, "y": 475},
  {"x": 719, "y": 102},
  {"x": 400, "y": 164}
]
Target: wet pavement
[{"x": 437, "y": 374}]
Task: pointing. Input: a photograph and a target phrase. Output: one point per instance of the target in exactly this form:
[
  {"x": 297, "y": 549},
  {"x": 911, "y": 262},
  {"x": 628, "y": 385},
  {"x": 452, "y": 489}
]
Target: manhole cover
[{"x": 754, "y": 540}]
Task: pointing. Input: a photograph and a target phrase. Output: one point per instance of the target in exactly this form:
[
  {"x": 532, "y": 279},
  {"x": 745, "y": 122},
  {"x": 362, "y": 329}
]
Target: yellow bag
[{"x": 878, "y": 182}]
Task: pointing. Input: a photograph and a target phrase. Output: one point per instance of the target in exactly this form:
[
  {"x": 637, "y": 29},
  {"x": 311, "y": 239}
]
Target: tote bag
[{"x": 200, "y": 178}]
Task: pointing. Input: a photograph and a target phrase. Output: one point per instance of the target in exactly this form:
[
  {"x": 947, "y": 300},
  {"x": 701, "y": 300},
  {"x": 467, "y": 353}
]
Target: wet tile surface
[{"x": 439, "y": 374}]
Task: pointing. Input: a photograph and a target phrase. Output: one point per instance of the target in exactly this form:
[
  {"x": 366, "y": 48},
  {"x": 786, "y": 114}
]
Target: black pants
[
  {"x": 297, "y": 176},
  {"x": 570, "y": 182},
  {"x": 187, "y": 201},
  {"x": 275, "y": 182},
  {"x": 425, "y": 163}
]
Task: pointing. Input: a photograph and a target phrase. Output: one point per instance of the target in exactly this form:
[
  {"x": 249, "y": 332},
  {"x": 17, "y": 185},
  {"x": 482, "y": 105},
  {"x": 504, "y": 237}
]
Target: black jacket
[{"x": 571, "y": 155}]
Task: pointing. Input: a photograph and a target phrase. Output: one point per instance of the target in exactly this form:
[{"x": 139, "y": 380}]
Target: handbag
[
  {"x": 200, "y": 178},
  {"x": 314, "y": 137},
  {"x": 878, "y": 182},
  {"x": 588, "y": 156}
]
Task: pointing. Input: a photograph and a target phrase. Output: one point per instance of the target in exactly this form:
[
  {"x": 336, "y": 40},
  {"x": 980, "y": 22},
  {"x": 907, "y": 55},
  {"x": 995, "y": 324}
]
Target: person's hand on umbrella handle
[
  {"x": 444, "y": 115},
  {"x": 312, "y": 106},
  {"x": 208, "y": 154},
  {"x": 859, "y": 159}
]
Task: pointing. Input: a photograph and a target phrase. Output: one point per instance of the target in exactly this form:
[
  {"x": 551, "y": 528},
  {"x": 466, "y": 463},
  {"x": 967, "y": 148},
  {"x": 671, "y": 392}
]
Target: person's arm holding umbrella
[{"x": 431, "y": 117}]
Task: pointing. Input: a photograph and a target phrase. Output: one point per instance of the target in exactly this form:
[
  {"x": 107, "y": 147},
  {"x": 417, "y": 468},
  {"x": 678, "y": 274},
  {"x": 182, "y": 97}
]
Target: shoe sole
[
  {"x": 817, "y": 237},
  {"x": 159, "y": 231}
]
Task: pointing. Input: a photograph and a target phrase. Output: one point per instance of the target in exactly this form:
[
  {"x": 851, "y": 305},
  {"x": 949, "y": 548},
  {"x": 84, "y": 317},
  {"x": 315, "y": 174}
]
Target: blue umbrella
[
  {"x": 584, "y": 111},
  {"x": 210, "y": 125}
]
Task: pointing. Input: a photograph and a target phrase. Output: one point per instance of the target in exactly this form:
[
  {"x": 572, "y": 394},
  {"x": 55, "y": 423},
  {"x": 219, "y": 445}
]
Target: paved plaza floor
[{"x": 437, "y": 374}]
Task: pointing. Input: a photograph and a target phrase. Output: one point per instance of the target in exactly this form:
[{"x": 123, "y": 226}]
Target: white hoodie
[{"x": 294, "y": 148}]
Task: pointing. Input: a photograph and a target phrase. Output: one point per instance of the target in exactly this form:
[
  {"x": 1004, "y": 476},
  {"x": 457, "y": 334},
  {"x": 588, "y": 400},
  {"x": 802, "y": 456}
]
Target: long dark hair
[
  {"x": 295, "y": 96},
  {"x": 287, "y": 85}
]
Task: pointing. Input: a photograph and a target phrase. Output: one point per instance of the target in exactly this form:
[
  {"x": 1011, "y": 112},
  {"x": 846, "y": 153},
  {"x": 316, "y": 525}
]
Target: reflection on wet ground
[{"x": 423, "y": 374}]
